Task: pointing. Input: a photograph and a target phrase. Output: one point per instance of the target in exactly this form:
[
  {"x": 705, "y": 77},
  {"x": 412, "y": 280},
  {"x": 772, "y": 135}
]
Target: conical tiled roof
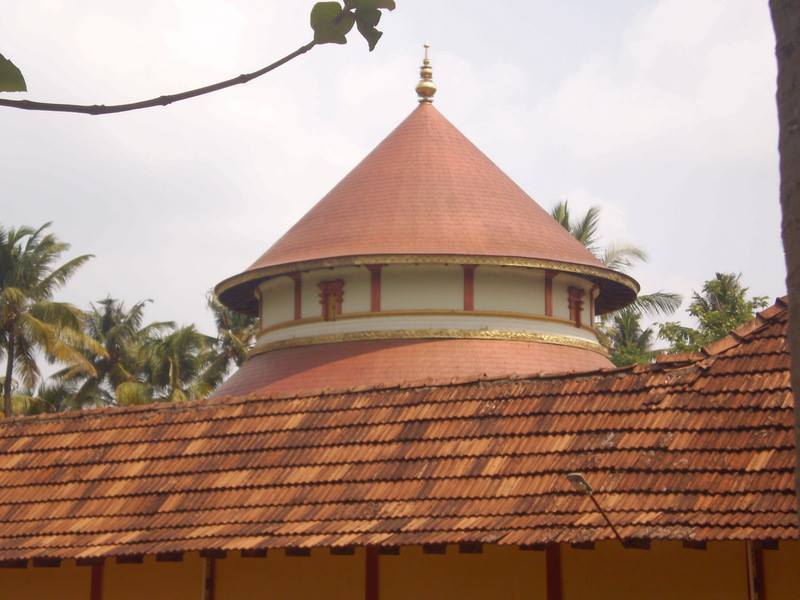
[{"x": 426, "y": 190}]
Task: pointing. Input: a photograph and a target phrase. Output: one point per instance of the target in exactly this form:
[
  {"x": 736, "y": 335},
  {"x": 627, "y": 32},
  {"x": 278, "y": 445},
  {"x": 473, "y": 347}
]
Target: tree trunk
[
  {"x": 9, "y": 375},
  {"x": 786, "y": 21}
]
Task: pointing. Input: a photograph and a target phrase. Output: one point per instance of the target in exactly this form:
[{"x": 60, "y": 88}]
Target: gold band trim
[
  {"x": 425, "y": 313},
  {"x": 405, "y": 259},
  {"x": 433, "y": 334}
]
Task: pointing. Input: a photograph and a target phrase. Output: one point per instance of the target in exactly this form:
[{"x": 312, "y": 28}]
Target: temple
[
  {"x": 425, "y": 263},
  {"x": 427, "y": 413}
]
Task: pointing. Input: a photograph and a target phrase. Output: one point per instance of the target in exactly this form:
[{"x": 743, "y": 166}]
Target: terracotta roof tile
[
  {"x": 426, "y": 189},
  {"x": 701, "y": 451}
]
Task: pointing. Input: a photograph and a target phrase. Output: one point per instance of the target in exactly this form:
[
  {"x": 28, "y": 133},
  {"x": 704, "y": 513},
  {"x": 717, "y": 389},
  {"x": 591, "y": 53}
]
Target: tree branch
[{"x": 101, "y": 109}]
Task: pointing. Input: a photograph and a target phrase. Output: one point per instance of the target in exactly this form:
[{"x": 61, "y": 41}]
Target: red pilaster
[
  {"x": 372, "y": 582},
  {"x": 375, "y": 272},
  {"x": 298, "y": 296},
  {"x": 548, "y": 292},
  {"x": 555, "y": 589},
  {"x": 96, "y": 589},
  {"x": 469, "y": 287}
]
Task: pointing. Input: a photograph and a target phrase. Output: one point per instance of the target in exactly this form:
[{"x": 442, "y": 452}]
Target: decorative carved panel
[
  {"x": 331, "y": 294},
  {"x": 575, "y": 299}
]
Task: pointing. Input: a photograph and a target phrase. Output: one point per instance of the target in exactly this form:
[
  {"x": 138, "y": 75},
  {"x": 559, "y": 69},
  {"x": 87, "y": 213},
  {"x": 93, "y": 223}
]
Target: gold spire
[{"x": 426, "y": 88}]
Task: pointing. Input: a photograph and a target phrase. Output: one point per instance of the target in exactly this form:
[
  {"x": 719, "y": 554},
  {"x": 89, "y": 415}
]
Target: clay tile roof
[
  {"x": 703, "y": 451},
  {"x": 426, "y": 190}
]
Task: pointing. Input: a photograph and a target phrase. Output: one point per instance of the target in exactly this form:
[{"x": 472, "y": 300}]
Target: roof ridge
[
  {"x": 322, "y": 393},
  {"x": 746, "y": 330}
]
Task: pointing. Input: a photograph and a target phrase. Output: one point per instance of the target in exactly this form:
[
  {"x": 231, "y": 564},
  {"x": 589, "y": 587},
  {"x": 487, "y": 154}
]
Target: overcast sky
[{"x": 661, "y": 112}]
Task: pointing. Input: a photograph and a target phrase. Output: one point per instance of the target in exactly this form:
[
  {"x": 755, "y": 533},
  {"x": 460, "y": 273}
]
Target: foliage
[
  {"x": 11, "y": 79},
  {"x": 174, "y": 364},
  {"x": 235, "y": 336},
  {"x": 332, "y": 22},
  {"x": 30, "y": 321},
  {"x": 109, "y": 354},
  {"x": 51, "y": 397},
  {"x": 721, "y": 307},
  {"x": 157, "y": 361},
  {"x": 585, "y": 229},
  {"x": 186, "y": 364},
  {"x": 622, "y": 257},
  {"x": 122, "y": 333},
  {"x": 628, "y": 343}
]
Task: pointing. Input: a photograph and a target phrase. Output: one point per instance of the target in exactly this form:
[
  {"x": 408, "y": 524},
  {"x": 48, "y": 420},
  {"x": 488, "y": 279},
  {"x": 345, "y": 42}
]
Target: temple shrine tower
[{"x": 426, "y": 263}]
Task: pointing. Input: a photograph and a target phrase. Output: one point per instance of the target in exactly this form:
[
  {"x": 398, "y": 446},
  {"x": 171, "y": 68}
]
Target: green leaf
[
  {"x": 370, "y": 34},
  {"x": 368, "y": 16},
  {"x": 369, "y": 4},
  {"x": 367, "y": 19},
  {"x": 330, "y": 23},
  {"x": 11, "y": 79}
]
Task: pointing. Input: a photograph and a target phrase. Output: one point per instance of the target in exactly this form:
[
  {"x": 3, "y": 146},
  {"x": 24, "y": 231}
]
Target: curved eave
[{"x": 616, "y": 289}]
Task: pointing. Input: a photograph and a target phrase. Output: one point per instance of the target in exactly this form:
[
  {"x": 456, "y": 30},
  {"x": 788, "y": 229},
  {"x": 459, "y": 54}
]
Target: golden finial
[{"x": 426, "y": 89}]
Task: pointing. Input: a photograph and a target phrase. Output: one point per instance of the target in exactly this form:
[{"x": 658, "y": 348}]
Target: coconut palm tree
[
  {"x": 630, "y": 344},
  {"x": 619, "y": 257},
  {"x": 235, "y": 336},
  {"x": 721, "y": 307},
  {"x": 122, "y": 333},
  {"x": 174, "y": 363},
  {"x": 30, "y": 320}
]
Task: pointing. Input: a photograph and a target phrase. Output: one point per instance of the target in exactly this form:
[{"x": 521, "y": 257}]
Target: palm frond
[
  {"x": 622, "y": 257},
  {"x": 586, "y": 230},
  {"x": 211, "y": 377},
  {"x": 657, "y": 304},
  {"x": 67, "y": 322},
  {"x": 561, "y": 215},
  {"x": 52, "y": 342},
  {"x": 60, "y": 315},
  {"x": 12, "y": 300},
  {"x": 47, "y": 286}
]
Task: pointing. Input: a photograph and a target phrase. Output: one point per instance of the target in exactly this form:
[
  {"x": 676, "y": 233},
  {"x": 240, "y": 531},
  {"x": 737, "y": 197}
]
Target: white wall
[
  {"x": 423, "y": 287},
  {"x": 410, "y": 287},
  {"x": 277, "y": 301},
  {"x": 357, "y": 290},
  {"x": 509, "y": 289}
]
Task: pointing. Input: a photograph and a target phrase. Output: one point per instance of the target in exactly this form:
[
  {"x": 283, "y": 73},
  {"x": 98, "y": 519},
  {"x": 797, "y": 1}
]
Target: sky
[{"x": 660, "y": 112}]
